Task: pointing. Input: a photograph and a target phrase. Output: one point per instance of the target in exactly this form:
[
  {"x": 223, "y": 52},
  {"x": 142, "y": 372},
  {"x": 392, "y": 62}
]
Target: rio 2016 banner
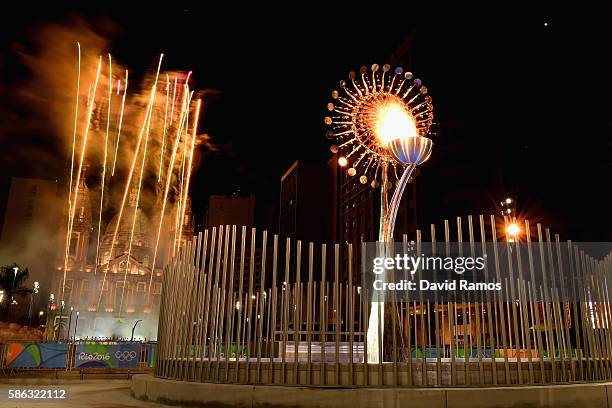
[
  {"x": 97, "y": 355},
  {"x": 36, "y": 355}
]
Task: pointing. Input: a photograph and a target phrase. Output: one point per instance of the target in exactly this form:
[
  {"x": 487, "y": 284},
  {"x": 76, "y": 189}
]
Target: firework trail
[
  {"x": 125, "y": 195},
  {"x": 185, "y": 108},
  {"x": 173, "y": 99},
  {"x": 142, "y": 167},
  {"x": 181, "y": 203},
  {"x": 138, "y": 143},
  {"x": 161, "y": 155},
  {"x": 78, "y": 180},
  {"x": 110, "y": 95},
  {"x": 193, "y": 138},
  {"x": 76, "y": 119},
  {"x": 177, "y": 217},
  {"x": 120, "y": 122}
]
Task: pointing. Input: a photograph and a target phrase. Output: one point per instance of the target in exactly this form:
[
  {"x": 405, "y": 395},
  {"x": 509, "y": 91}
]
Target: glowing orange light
[
  {"x": 342, "y": 161},
  {"x": 393, "y": 121},
  {"x": 513, "y": 229}
]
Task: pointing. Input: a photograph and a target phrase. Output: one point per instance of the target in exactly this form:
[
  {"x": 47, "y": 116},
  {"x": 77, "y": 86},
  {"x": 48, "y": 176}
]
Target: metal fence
[{"x": 241, "y": 306}]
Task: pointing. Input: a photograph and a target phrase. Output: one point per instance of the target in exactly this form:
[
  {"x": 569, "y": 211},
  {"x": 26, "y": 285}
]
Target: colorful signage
[
  {"x": 99, "y": 355},
  {"x": 35, "y": 355}
]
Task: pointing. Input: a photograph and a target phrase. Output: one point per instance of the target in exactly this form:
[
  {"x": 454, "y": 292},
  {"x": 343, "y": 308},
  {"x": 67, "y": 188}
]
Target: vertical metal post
[{"x": 262, "y": 301}]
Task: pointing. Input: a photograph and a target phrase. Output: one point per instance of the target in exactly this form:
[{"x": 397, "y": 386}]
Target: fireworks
[
  {"x": 105, "y": 123},
  {"x": 374, "y": 108}
]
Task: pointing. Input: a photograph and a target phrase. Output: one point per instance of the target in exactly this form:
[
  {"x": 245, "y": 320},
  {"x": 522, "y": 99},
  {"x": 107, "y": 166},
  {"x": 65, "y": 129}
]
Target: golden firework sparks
[
  {"x": 110, "y": 94},
  {"x": 120, "y": 123},
  {"x": 78, "y": 178}
]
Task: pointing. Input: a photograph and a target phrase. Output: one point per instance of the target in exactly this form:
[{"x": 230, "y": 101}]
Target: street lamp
[
  {"x": 11, "y": 301},
  {"x": 16, "y": 270},
  {"x": 507, "y": 207},
  {"x": 380, "y": 122},
  {"x": 508, "y": 211},
  {"x": 134, "y": 328},
  {"x": 69, "y": 323},
  {"x": 512, "y": 231},
  {"x": 59, "y": 323},
  {"x": 34, "y": 291},
  {"x": 76, "y": 324}
]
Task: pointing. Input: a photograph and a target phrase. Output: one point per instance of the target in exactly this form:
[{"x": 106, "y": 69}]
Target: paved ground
[{"x": 99, "y": 393}]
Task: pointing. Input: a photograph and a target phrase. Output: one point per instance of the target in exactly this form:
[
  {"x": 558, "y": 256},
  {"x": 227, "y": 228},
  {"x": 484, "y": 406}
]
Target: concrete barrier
[{"x": 147, "y": 387}]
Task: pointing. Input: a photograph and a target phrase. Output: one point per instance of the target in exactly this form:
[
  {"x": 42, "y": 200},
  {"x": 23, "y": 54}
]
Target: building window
[
  {"x": 86, "y": 285},
  {"x": 156, "y": 288},
  {"x": 74, "y": 240},
  {"x": 141, "y": 287}
]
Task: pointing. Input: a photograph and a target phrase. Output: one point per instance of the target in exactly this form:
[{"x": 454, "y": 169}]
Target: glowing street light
[
  {"x": 76, "y": 324},
  {"x": 16, "y": 270},
  {"x": 12, "y": 300},
  {"x": 507, "y": 207},
  {"x": 34, "y": 292},
  {"x": 512, "y": 231},
  {"x": 380, "y": 122},
  {"x": 509, "y": 213}
]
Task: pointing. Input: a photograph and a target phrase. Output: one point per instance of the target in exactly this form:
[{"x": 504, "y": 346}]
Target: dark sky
[{"x": 522, "y": 98}]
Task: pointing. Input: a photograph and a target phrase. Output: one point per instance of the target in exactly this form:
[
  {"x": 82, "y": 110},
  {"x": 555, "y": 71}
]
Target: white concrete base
[{"x": 147, "y": 387}]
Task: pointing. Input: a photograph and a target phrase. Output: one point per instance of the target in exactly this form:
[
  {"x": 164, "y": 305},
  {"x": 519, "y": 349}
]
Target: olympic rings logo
[{"x": 125, "y": 355}]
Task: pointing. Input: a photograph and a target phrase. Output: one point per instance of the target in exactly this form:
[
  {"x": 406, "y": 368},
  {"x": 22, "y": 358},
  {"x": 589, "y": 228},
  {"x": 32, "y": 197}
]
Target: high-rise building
[
  {"x": 358, "y": 210},
  {"x": 230, "y": 210},
  {"x": 320, "y": 202},
  {"x": 306, "y": 202}
]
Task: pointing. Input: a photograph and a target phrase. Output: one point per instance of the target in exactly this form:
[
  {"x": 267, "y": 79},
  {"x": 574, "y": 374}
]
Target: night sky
[{"x": 522, "y": 99}]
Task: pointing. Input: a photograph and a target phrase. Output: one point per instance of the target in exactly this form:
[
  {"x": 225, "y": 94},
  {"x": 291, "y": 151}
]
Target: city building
[
  {"x": 230, "y": 210},
  {"x": 120, "y": 287},
  {"x": 29, "y": 233},
  {"x": 305, "y": 212},
  {"x": 357, "y": 215}
]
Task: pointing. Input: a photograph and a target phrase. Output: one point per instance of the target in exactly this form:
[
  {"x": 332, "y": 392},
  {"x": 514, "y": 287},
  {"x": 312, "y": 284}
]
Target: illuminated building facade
[{"x": 121, "y": 286}]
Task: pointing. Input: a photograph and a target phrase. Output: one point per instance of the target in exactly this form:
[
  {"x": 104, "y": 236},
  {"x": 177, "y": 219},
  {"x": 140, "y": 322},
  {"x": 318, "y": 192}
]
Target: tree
[{"x": 12, "y": 283}]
